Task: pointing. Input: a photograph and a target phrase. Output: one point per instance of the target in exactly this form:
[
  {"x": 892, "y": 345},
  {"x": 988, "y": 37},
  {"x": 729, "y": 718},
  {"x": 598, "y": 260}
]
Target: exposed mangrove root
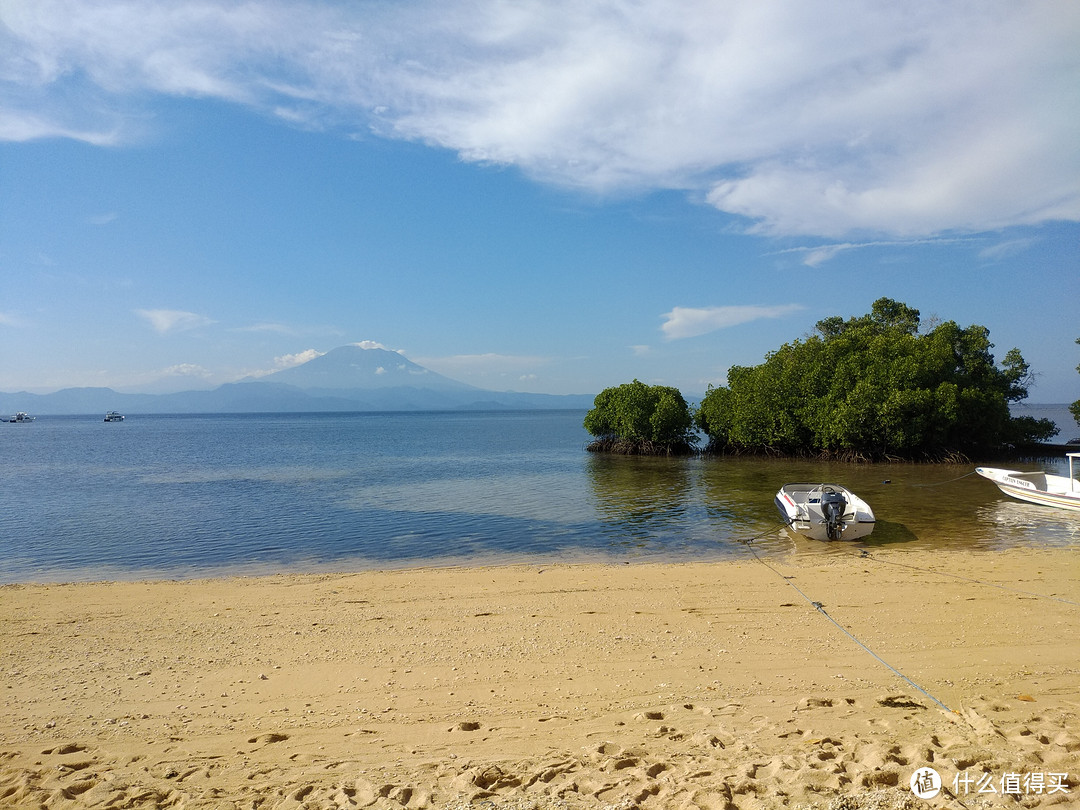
[
  {"x": 845, "y": 456},
  {"x": 643, "y": 447}
]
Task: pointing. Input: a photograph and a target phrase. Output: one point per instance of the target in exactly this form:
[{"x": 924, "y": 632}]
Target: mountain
[
  {"x": 352, "y": 368},
  {"x": 349, "y": 378}
]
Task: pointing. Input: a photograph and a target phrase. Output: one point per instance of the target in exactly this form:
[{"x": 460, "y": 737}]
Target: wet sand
[{"x": 714, "y": 685}]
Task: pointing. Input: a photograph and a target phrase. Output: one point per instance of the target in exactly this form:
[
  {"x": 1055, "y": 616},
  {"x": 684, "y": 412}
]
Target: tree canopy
[
  {"x": 875, "y": 387},
  {"x": 635, "y": 418}
]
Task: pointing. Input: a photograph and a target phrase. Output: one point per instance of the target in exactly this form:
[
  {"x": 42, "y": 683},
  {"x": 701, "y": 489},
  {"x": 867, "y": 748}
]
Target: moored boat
[
  {"x": 825, "y": 511},
  {"x": 1042, "y": 488},
  {"x": 21, "y": 416}
]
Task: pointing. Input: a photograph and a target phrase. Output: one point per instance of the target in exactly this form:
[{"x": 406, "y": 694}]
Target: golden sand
[{"x": 567, "y": 686}]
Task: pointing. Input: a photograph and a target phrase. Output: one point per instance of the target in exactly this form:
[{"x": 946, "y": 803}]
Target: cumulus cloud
[
  {"x": 371, "y": 344},
  {"x": 816, "y": 117},
  {"x": 686, "y": 322},
  {"x": 165, "y": 321},
  {"x": 290, "y": 360}
]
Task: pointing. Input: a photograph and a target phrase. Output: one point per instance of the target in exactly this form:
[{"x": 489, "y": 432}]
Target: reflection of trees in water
[
  {"x": 639, "y": 499},
  {"x": 739, "y": 494},
  {"x": 679, "y": 505},
  {"x": 709, "y": 506},
  {"x": 641, "y": 490}
]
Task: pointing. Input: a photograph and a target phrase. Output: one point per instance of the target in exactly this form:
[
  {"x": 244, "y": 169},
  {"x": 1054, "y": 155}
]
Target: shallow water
[{"x": 159, "y": 496}]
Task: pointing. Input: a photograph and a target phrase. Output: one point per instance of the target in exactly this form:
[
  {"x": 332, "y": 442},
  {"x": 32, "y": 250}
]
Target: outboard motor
[{"x": 833, "y": 506}]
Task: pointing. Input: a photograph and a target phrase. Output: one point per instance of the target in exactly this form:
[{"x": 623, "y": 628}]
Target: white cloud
[
  {"x": 187, "y": 370},
  {"x": 686, "y": 322},
  {"x": 290, "y": 360},
  {"x": 172, "y": 320},
  {"x": 371, "y": 344},
  {"x": 285, "y": 361},
  {"x": 1006, "y": 249},
  {"x": 819, "y": 254},
  {"x": 821, "y": 118}
]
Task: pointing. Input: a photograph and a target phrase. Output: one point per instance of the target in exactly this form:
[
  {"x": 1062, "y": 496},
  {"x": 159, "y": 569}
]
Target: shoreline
[{"x": 650, "y": 685}]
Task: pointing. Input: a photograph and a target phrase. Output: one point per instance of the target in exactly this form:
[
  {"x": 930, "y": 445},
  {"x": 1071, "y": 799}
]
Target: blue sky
[{"x": 535, "y": 196}]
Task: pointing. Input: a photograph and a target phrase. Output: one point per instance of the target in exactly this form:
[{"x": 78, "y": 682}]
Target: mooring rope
[
  {"x": 867, "y": 555},
  {"x": 942, "y": 483},
  {"x": 820, "y": 608}
]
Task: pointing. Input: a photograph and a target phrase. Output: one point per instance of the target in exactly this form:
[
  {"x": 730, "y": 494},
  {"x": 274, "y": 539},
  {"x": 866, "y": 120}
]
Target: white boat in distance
[
  {"x": 1038, "y": 487},
  {"x": 114, "y": 416},
  {"x": 21, "y": 416},
  {"x": 825, "y": 511}
]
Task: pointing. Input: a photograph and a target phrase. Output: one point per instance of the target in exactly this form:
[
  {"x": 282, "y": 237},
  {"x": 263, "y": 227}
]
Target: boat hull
[
  {"x": 1040, "y": 488},
  {"x": 800, "y": 507}
]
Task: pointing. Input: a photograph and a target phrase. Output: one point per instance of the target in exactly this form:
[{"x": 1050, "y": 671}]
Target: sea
[{"x": 180, "y": 497}]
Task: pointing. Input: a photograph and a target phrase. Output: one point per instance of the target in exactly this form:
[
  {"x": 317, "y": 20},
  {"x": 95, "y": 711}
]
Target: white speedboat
[
  {"x": 825, "y": 511},
  {"x": 114, "y": 416},
  {"x": 21, "y": 416},
  {"x": 1038, "y": 487}
]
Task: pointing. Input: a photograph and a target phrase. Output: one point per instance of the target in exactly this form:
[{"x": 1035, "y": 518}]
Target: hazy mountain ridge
[
  {"x": 349, "y": 378},
  {"x": 349, "y": 368}
]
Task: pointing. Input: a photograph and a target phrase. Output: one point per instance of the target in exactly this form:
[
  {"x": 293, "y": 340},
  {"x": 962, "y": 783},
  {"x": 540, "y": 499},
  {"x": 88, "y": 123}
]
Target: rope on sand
[{"x": 820, "y": 608}]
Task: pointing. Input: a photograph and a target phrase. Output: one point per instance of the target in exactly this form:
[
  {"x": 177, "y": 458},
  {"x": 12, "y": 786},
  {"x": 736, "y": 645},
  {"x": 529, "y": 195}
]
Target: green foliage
[
  {"x": 874, "y": 387},
  {"x": 636, "y": 418}
]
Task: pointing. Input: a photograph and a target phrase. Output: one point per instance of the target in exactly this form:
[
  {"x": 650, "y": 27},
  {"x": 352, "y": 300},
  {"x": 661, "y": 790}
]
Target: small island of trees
[
  {"x": 640, "y": 419},
  {"x": 869, "y": 388}
]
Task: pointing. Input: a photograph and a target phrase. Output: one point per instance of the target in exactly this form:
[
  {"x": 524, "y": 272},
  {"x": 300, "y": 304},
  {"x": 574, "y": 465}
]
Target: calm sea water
[
  {"x": 1058, "y": 414},
  {"x": 159, "y": 496}
]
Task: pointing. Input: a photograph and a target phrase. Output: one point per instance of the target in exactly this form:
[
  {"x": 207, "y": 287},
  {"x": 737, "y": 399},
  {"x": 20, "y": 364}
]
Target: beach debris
[
  {"x": 272, "y": 737},
  {"x": 899, "y": 702}
]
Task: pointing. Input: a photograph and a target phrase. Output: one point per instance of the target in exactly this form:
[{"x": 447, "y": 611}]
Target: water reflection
[
  {"x": 340, "y": 492},
  {"x": 1038, "y": 525},
  {"x": 641, "y": 501},
  {"x": 713, "y": 506}
]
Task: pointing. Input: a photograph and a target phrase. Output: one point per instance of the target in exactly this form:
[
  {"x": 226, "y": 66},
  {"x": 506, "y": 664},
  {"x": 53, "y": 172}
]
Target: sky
[{"x": 550, "y": 196}]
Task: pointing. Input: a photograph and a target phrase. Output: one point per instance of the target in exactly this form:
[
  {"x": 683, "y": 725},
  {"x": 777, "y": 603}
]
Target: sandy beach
[{"x": 716, "y": 685}]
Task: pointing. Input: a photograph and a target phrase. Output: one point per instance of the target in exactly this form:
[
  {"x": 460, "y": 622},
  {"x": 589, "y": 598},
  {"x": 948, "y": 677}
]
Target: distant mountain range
[{"x": 349, "y": 378}]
